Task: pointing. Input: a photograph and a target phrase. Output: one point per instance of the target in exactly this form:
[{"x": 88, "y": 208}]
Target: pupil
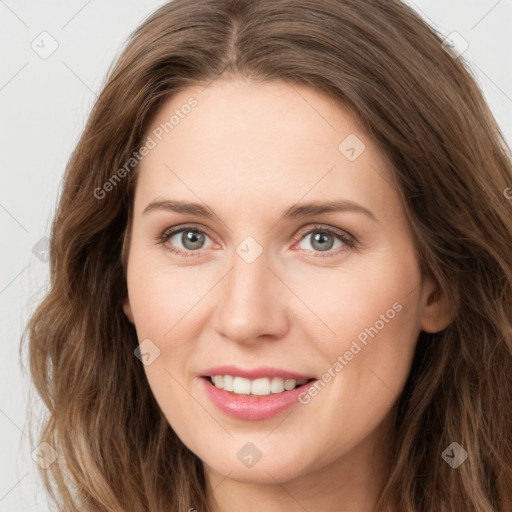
[
  {"x": 322, "y": 238},
  {"x": 192, "y": 239}
]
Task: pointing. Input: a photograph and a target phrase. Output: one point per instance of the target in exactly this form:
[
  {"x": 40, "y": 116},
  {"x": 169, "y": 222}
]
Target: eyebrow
[{"x": 294, "y": 212}]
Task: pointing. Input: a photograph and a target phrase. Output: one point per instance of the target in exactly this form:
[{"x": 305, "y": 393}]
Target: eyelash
[{"x": 348, "y": 240}]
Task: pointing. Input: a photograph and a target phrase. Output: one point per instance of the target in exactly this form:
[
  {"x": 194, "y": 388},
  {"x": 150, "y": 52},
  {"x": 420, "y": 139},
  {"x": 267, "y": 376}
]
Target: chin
[{"x": 281, "y": 465}]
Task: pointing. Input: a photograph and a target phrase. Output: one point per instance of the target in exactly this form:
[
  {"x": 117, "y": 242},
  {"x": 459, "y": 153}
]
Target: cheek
[
  {"x": 370, "y": 324},
  {"x": 356, "y": 300},
  {"x": 161, "y": 296},
  {"x": 162, "y": 312}
]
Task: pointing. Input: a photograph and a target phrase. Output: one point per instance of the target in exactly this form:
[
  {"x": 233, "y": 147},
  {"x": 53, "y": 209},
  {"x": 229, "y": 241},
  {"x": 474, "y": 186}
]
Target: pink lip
[
  {"x": 250, "y": 407},
  {"x": 255, "y": 373}
]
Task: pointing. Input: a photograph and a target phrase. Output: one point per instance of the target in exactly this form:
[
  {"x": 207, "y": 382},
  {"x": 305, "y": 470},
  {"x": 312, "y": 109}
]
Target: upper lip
[{"x": 254, "y": 373}]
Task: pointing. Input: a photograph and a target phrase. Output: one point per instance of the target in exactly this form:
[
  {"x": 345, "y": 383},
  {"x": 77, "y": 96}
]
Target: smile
[
  {"x": 259, "y": 387},
  {"x": 256, "y": 394}
]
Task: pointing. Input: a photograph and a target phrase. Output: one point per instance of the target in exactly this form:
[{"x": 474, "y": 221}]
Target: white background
[{"x": 44, "y": 104}]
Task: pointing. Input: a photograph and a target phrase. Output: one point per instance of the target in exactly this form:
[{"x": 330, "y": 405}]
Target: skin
[{"x": 249, "y": 152}]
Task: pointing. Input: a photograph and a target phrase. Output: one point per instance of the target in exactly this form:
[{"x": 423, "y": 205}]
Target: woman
[{"x": 281, "y": 273}]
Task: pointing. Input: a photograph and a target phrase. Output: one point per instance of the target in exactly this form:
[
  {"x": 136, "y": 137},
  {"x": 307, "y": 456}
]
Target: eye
[
  {"x": 191, "y": 238},
  {"x": 324, "y": 240}
]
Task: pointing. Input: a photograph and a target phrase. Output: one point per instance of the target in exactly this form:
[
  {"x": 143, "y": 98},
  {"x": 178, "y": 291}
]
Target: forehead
[{"x": 270, "y": 142}]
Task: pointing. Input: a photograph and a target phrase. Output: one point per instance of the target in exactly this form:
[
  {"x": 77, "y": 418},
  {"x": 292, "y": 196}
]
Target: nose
[{"x": 253, "y": 303}]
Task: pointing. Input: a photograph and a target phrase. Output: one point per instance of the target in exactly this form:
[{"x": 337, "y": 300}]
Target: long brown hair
[{"x": 451, "y": 165}]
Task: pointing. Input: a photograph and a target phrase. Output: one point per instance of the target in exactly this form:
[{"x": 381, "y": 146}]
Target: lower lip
[{"x": 251, "y": 407}]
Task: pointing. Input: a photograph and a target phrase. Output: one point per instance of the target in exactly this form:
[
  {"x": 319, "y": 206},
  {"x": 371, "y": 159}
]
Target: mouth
[
  {"x": 263, "y": 386},
  {"x": 256, "y": 394}
]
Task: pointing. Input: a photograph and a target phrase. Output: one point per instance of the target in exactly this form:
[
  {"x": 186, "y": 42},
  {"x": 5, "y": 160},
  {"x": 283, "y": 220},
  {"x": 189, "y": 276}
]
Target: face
[{"x": 294, "y": 282}]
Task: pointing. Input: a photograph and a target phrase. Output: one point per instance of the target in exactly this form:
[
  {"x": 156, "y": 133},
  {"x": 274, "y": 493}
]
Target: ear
[
  {"x": 437, "y": 313},
  {"x": 128, "y": 309}
]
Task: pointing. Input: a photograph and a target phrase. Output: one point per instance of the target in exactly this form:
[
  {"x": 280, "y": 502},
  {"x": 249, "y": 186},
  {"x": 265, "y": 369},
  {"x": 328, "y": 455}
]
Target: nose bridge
[{"x": 251, "y": 303}]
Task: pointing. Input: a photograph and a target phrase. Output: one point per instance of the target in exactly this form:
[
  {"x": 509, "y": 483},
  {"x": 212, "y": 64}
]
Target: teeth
[
  {"x": 241, "y": 386},
  {"x": 259, "y": 387},
  {"x": 277, "y": 385},
  {"x": 228, "y": 383},
  {"x": 289, "y": 384}
]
